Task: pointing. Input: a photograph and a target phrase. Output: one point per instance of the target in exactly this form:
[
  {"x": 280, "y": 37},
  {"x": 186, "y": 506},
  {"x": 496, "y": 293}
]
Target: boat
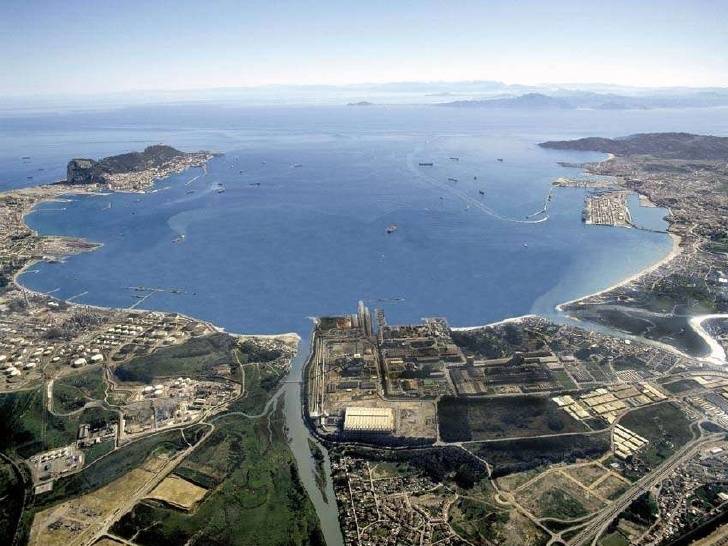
[
  {"x": 220, "y": 190},
  {"x": 481, "y": 192},
  {"x": 455, "y": 158},
  {"x": 255, "y": 183},
  {"x": 25, "y": 158},
  {"x": 391, "y": 228},
  {"x": 525, "y": 245},
  {"x": 475, "y": 178},
  {"x": 190, "y": 191},
  {"x": 500, "y": 159},
  {"x": 452, "y": 179},
  {"x": 297, "y": 165},
  {"x": 426, "y": 164}
]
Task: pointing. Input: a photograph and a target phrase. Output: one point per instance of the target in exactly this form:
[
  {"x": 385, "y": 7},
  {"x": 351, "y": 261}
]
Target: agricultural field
[
  {"x": 463, "y": 420},
  {"x": 178, "y": 493}
]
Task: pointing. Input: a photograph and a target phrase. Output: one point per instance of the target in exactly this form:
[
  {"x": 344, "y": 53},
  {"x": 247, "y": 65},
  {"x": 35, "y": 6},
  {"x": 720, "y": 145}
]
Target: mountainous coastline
[
  {"x": 660, "y": 145},
  {"x": 572, "y": 100}
]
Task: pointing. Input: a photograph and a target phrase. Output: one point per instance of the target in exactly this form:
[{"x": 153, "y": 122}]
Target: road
[
  {"x": 601, "y": 521},
  {"x": 145, "y": 489}
]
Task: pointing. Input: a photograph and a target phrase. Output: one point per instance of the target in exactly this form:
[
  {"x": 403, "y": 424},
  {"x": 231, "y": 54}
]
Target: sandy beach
[{"x": 674, "y": 252}]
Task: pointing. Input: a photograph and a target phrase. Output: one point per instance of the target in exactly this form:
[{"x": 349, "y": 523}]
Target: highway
[{"x": 601, "y": 521}]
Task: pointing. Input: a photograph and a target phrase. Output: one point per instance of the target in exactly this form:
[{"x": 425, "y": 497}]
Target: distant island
[{"x": 361, "y": 103}]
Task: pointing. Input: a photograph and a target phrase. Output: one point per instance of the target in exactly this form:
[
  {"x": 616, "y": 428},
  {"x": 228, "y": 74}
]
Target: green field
[
  {"x": 664, "y": 425},
  {"x": 512, "y": 456},
  {"x": 204, "y": 357},
  {"x": 681, "y": 385},
  {"x": 26, "y": 427},
  {"x": 197, "y": 357},
  {"x": 463, "y": 420},
  {"x": 12, "y": 494},
  {"x": 73, "y": 391},
  {"x": 257, "y": 497}
]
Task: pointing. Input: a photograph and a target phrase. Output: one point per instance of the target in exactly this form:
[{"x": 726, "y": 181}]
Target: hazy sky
[{"x": 75, "y": 46}]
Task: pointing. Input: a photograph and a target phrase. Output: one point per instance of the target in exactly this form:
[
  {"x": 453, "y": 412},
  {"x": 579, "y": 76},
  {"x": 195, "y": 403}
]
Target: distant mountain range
[
  {"x": 464, "y": 94},
  {"x": 597, "y": 101},
  {"x": 661, "y": 145}
]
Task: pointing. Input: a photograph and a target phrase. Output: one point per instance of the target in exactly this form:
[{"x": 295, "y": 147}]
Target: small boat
[
  {"x": 500, "y": 159},
  {"x": 452, "y": 179},
  {"x": 190, "y": 191},
  {"x": 426, "y": 164},
  {"x": 25, "y": 158},
  {"x": 455, "y": 158},
  {"x": 391, "y": 228},
  {"x": 255, "y": 183},
  {"x": 481, "y": 192},
  {"x": 475, "y": 178},
  {"x": 297, "y": 165},
  {"x": 220, "y": 190},
  {"x": 525, "y": 245}
]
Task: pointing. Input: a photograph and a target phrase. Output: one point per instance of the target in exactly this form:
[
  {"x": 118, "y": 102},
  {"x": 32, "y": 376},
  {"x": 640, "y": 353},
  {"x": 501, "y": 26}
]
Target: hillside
[
  {"x": 152, "y": 156},
  {"x": 660, "y": 145},
  {"x": 536, "y": 101},
  {"x": 88, "y": 171}
]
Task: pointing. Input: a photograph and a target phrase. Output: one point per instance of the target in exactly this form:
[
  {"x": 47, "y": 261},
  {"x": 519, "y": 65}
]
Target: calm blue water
[{"x": 311, "y": 240}]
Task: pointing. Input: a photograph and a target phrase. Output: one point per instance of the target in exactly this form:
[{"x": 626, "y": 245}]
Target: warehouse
[{"x": 368, "y": 420}]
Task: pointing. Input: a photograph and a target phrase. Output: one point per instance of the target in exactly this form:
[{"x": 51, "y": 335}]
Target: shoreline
[
  {"x": 675, "y": 251},
  {"x": 94, "y": 191},
  {"x": 717, "y": 353},
  {"x": 507, "y": 320}
]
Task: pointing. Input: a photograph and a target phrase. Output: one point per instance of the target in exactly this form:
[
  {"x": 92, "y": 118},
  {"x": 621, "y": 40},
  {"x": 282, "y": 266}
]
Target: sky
[{"x": 86, "y": 47}]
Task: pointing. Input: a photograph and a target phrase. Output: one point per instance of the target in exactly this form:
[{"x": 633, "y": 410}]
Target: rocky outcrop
[
  {"x": 129, "y": 169},
  {"x": 82, "y": 171}
]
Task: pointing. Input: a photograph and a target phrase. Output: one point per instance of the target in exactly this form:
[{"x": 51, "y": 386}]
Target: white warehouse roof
[{"x": 358, "y": 419}]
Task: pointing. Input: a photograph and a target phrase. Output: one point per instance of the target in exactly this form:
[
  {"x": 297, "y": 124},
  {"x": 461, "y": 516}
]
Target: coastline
[
  {"x": 94, "y": 190},
  {"x": 517, "y": 319},
  {"x": 675, "y": 251},
  {"x": 717, "y": 353}
]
